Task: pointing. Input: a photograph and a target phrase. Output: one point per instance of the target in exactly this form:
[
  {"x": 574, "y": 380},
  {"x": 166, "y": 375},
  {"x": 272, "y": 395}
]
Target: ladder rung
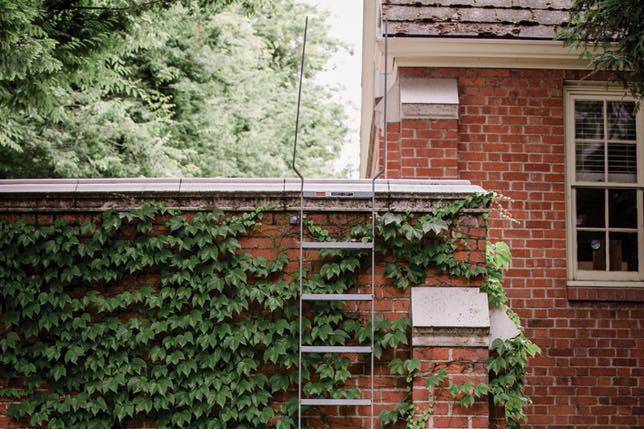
[
  {"x": 335, "y": 402},
  {"x": 336, "y": 349},
  {"x": 336, "y": 297},
  {"x": 338, "y": 194},
  {"x": 336, "y": 245}
]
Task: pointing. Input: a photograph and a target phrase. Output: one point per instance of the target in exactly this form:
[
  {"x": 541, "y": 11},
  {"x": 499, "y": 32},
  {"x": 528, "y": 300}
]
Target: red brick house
[{"x": 481, "y": 90}]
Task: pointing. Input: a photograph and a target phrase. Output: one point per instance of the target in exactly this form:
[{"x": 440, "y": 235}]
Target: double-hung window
[{"x": 605, "y": 157}]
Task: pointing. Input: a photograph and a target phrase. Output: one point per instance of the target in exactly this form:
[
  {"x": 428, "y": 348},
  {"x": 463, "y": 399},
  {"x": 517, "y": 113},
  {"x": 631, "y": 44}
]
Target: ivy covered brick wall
[{"x": 181, "y": 310}]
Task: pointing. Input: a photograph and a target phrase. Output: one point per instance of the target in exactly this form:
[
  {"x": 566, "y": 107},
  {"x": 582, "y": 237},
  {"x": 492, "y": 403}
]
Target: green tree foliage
[
  {"x": 196, "y": 88},
  {"x": 611, "y": 35}
]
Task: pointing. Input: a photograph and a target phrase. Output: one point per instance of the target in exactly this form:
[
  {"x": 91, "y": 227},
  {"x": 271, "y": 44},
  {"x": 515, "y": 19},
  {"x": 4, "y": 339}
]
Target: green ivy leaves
[
  {"x": 406, "y": 411},
  {"x": 177, "y": 326},
  {"x": 469, "y": 392},
  {"x": 127, "y": 318},
  {"x": 79, "y": 319},
  {"x": 507, "y": 366}
]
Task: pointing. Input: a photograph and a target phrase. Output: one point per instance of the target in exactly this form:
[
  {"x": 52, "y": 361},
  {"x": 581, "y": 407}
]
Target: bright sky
[{"x": 345, "y": 21}]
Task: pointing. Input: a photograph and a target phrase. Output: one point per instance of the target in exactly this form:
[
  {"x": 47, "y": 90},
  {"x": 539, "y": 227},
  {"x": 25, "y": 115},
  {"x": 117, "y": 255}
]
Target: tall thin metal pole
[
  {"x": 382, "y": 171},
  {"x": 299, "y": 100},
  {"x": 301, "y": 221}
]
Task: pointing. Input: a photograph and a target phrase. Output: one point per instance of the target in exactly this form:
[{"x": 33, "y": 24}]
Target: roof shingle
[{"x": 523, "y": 19}]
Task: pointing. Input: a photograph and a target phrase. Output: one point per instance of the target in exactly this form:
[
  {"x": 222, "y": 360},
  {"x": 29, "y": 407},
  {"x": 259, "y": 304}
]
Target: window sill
[{"x": 598, "y": 290}]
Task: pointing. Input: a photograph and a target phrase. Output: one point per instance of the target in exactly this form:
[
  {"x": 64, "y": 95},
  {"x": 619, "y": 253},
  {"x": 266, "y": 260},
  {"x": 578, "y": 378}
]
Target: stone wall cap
[{"x": 392, "y": 187}]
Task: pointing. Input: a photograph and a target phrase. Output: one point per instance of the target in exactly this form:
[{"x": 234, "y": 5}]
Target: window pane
[
  {"x": 591, "y": 250},
  {"x": 622, "y": 162},
  {"x": 623, "y": 251},
  {"x": 589, "y": 119},
  {"x": 590, "y": 207},
  {"x": 621, "y": 120},
  {"x": 622, "y": 207},
  {"x": 589, "y": 162}
]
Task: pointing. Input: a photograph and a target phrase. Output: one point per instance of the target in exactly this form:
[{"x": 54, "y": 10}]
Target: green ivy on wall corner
[
  {"x": 123, "y": 319},
  {"x": 406, "y": 239},
  {"x": 508, "y": 358}
]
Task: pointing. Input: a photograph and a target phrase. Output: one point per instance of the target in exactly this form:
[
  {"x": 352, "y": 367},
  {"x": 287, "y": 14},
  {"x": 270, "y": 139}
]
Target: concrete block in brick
[
  {"x": 501, "y": 326},
  {"x": 449, "y": 316}
]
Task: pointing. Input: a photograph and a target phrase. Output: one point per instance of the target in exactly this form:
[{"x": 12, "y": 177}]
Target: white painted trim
[
  {"x": 584, "y": 278},
  {"x": 487, "y": 53},
  {"x": 640, "y": 216},
  {"x": 604, "y": 284},
  {"x": 595, "y": 87},
  {"x": 570, "y": 209},
  {"x": 368, "y": 74}
]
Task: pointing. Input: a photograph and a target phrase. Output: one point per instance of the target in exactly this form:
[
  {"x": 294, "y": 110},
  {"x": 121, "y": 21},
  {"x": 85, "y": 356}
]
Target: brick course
[
  {"x": 510, "y": 139},
  {"x": 277, "y": 234},
  {"x": 462, "y": 365}
]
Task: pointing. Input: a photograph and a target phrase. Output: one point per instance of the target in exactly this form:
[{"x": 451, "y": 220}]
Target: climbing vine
[
  {"x": 508, "y": 358},
  {"x": 413, "y": 416},
  {"x": 126, "y": 318}
]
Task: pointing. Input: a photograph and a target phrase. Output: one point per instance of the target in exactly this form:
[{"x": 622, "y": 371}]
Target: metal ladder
[{"x": 341, "y": 245}]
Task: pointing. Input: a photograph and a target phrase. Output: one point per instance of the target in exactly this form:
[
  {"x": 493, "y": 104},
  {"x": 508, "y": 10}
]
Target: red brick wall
[
  {"x": 462, "y": 364},
  {"x": 277, "y": 234},
  {"x": 423, "y": 148},
  {"x": 510, "y": 139}
]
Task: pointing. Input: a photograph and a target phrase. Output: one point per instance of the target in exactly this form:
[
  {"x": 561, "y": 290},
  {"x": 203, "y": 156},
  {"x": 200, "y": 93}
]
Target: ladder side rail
[
  {"x": 381, "y": 172},
  {"x": 301, "y": 222},
  {"x": 336, "y": 245},
  {"x": 373, "y": 299}
]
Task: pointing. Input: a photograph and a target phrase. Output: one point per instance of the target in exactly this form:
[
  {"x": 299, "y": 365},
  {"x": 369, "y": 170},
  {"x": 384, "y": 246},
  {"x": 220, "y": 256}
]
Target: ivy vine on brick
[{"x": 121, "y": 319}]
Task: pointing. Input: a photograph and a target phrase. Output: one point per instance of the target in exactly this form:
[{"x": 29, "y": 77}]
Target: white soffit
[
  {"x": 393, "y": 96},
  {"x": 482, "y": 53},
  {"x": 428, "y": 91},
  {"x": 393, "y": 106}
]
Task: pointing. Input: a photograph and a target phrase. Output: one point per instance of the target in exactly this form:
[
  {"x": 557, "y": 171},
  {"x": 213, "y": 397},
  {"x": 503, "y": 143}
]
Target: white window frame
[{"x": 589, "y": 278}]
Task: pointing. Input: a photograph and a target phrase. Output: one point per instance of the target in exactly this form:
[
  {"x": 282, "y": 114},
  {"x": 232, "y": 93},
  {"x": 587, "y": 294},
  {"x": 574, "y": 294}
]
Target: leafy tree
[
  {"x": 611, "y": 35},
  {"x": 104, "y": 88}
]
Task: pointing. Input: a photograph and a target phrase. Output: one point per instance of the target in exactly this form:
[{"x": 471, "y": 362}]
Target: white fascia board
[
  {"x": 369, "y": 13},
  {"x": 485, "y": 53}
]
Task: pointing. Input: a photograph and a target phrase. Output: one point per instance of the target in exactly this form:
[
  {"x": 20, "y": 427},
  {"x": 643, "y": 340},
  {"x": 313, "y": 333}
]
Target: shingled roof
[{"x": 515, "y": 19}]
